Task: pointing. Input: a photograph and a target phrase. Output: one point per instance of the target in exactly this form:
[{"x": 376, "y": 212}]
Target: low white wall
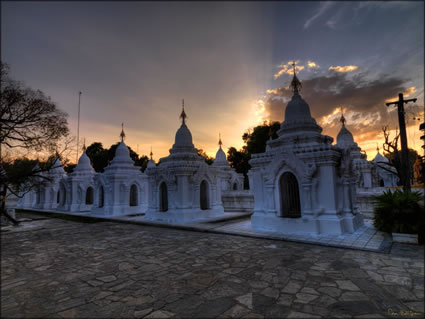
[
  {"x": 238, "y": 201},
  {"x": 365, "y": 199}
]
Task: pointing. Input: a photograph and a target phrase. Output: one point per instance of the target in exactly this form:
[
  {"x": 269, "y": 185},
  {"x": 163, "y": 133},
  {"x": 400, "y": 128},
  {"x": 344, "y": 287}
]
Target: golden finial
[
  {"x": 296, "y": 84},
  {"x": 183, "y": 115},
  {"x": 84, "y": 145},
  {"x": 122, "y": 134},
  {"x": 219, "y": 140},
  {"x": 377, "y": 147},
  {"x": 342, "y": 119},
  {"x": 151, "y": 152}
]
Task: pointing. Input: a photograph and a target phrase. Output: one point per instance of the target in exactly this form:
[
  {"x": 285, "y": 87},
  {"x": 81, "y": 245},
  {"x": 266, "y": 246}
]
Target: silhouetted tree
[
  {"x": 394, "y": 155},
  {"x": 28, "y": 118},
  {"x": 255, "y": 142},
  {"x": 101, "y": 157},
  {"x": 419, "y": 171},
  {"x": 29, "y": 121},
  {"x": 256, "y": 139},
  {"x": 98, "y": 156},
  {"x": 69, "y": 168},
  {"x": 209, "y": 160}
]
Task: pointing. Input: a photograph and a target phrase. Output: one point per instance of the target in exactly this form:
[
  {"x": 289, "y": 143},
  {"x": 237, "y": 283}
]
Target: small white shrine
[
  {"x": 122, "y": 188},
  {"x": 363, "y": 169},
  {"x": 230, "y": 180},
  {"x": 76, "y": 192},
  {"x": 183, "y": 187},
  {"x": 303, "y": 183},
  {"x": 47, "y": 194},
  {"x": 386, "y": 174}
]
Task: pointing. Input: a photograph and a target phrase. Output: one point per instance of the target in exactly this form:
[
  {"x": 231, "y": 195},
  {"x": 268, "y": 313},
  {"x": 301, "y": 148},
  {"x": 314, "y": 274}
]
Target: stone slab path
[
  {"x": 55, "y": 268},
  {"x": 365, "y": 238}
]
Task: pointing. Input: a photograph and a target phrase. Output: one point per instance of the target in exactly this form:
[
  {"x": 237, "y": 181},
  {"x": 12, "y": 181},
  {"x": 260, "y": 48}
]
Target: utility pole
[{"x": 403, "y": 136}]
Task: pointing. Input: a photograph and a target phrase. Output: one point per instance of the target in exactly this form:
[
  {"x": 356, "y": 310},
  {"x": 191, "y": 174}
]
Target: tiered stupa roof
[
  {"x": 57, "y": 168},
  {"x": 344, "y": 138},
  {"x": 220, "y": 156},
  {"x": 83, "y": 166},
  {"x": 297, "y": 113},
  {"x": 183, "y": 141},
  {"x": 151, "y": 162},
  {"x": 122, "y": 160}
]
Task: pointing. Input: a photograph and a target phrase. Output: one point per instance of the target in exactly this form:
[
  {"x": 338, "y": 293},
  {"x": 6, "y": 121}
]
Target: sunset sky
[{"x": 135, "y": 61}]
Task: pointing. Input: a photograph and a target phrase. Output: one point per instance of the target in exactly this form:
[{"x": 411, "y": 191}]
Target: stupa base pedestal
[
  {"x": 184, "y": 215},
  {"x": 325, "y": 224}
]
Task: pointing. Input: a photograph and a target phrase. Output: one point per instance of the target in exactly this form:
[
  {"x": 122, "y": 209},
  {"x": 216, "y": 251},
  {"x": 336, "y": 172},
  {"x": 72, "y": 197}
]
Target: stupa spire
[
  {"x": 219, "y": 140},
  {"x": 377, "y": 148},
  {"x": 342, "y": 119},
  {"x": 151, "y": 152},
  {"x": 270, "y": 133},
  {"x": 122, "y": 134},
  {"x": 295, "y": 84},
  {"x": 84, "y": 145},
  {"x": 183, "y": 115}
]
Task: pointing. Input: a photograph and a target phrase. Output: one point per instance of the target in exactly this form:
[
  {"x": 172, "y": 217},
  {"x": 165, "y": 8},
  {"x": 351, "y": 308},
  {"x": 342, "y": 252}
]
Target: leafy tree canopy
[
  {"x": 255, "y": 142},
  {"x": 209, "y": 160},
  {"x": 101, "y": 157},
  {"x": 256, "y": 139},
  {"x": 29, "y": 121}
]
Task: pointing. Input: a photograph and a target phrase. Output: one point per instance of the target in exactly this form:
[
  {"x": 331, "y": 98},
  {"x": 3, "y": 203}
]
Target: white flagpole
[{"x": 78, "y": 127}]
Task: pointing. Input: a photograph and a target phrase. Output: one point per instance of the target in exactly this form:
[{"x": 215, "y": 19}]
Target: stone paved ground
[{"x": 56, "y": 268}]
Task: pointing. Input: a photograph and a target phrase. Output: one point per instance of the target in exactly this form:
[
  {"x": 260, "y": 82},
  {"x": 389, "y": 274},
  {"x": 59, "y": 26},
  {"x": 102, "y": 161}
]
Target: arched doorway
[
  {"x": 235, "y": 186},
  {"x": 204, "y": 195},
  {"x": 163, "y": 197},
  {"x": 38, "y": 196},
  {"x": 133, "y": 195},
  {"x": 101, "y": 196},
  {"x": 89, "y": 196},
  {"x": 63, "y": 195},
  {"x": 289, "y": 196},
  {"x": 58, "y": 197}
]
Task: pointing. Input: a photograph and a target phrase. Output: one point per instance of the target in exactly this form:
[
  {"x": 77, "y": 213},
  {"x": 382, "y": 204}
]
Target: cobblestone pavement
[{"x": 58, "y": 268}]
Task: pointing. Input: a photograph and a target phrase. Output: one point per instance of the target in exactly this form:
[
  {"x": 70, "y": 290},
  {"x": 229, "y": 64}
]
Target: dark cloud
[{"x": 363, "y": 98}]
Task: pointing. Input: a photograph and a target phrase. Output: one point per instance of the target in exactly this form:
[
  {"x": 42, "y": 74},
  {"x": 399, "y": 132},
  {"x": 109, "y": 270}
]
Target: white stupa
[
  {"x": 50, "y": 192},
  {"x": 122, "y": 188},
  {"x": 301, "y": 184},
  {"x": 79, "y": 186},
  {"x": 362, "y": 169},
  {"x": 183, "y": 187},
  {"x": 387, "y": 174},
  {"x": 230, "y": 180}
]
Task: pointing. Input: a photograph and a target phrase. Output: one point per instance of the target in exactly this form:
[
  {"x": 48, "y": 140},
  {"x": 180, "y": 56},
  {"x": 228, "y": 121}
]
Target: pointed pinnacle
[
  {"x": 122, "y": 134},
  {"x": 183, "y": 115}
]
